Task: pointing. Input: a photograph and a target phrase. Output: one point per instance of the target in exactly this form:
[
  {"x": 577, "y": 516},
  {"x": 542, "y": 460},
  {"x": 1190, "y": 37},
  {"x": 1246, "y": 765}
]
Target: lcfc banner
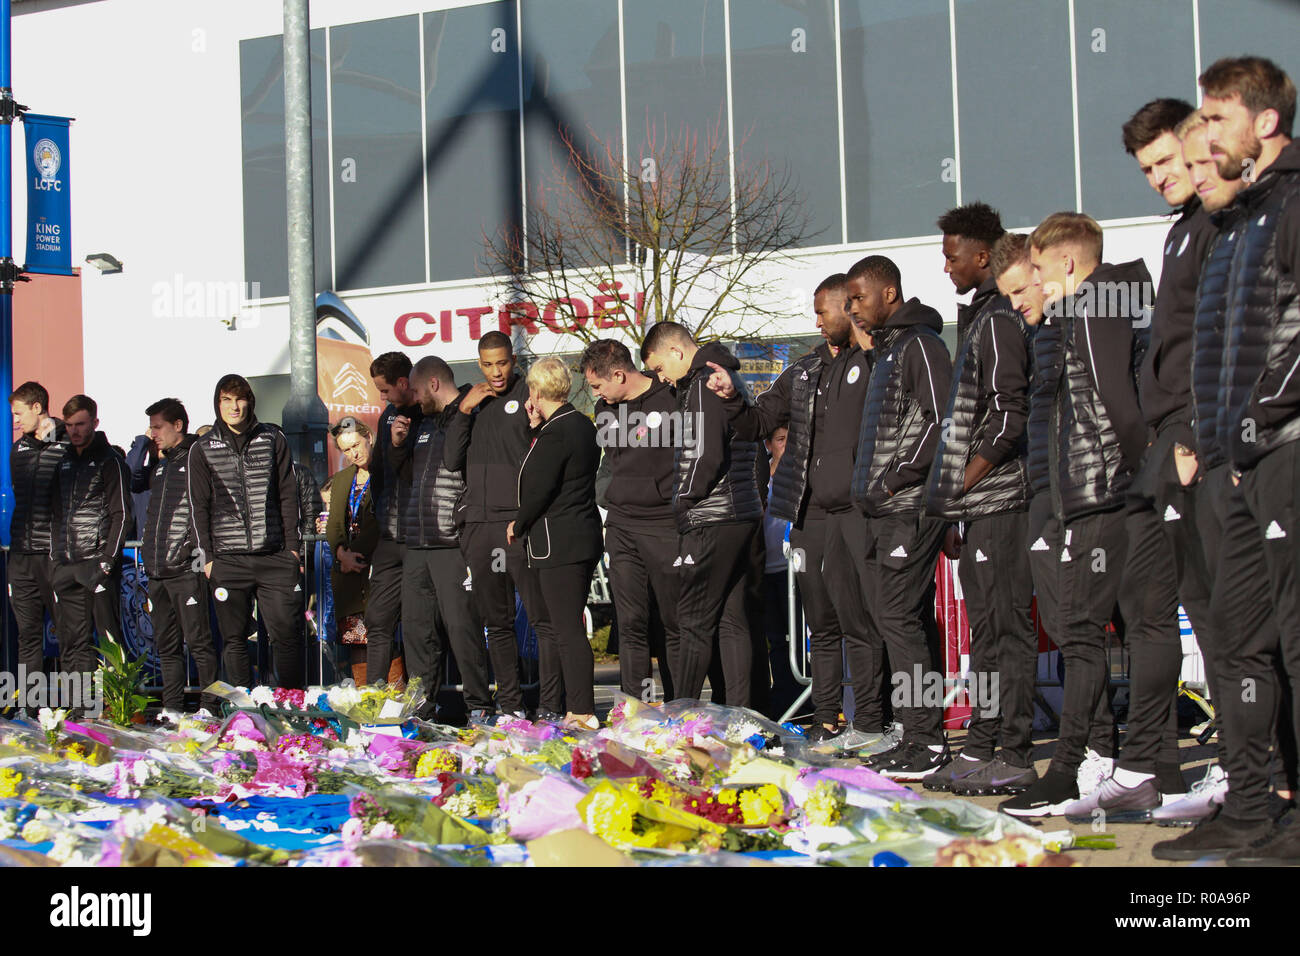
[
  {"x": 49, "y": 247},
  {"x": 761, "y": 365}
]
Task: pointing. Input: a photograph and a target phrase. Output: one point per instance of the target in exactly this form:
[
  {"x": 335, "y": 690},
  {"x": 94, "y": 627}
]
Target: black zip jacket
[
  {"x": 243, "y": 493},
  {"x": 1165, "y": 385},
  {"x": 557, "y": 492},
  {"x": 716, "y": 479},
  {"x": 431, "y": 514},
  {"x": 387, "y": 488},
  {"x": 1093, "y": 433},
  {"x": 487, "y": 445},
  {"x": 904, "y": 407},
  {"x": 1208, "y": 357},
  {"x": 32, "y": 464},
  {"x": 986, "y": 415},
  {"x": 635, "y": 481},
  {"x": 1263, "y": 334},
  {"x": 90, "y": 509},
  {"x": 820, "y": 399},
  {"x": 309, "y": 505},
  {"x": 168, "y": 541},
  {"x": 986, "y": 295}
]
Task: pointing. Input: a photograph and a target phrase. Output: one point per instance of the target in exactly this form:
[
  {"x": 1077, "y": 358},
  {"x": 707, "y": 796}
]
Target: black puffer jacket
[
  {"x": 243, "y": 493},
  {"x": 986, "y": 413},
  {"x": 169, "y": 543},
  {"x": 904, "y": 406},
  {"x": 1263, "y": 323},
  {"x": 32, "y": 464},
  {"x": 487, "y": 446},
  {"x": 90, "y": 508},
  {"x": 716, "y": 472},
  {"x": 635, "y": 481},
  {"x": 820, "y": 398},
  {"x": 387, "y": 487},
  {"x": 1092, "y": 432},
  {"x": 1211, "y": 330},
  {"x": 431, "y": 513}
]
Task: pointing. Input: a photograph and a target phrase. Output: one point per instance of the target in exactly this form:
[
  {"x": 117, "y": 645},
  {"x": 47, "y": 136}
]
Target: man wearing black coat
[
  {"x": 89, "y": 527},
  {"x": 901, "y": 424},
  {"x": 718, "y": 507},
  {"x": 178, "y": 592},
  {"x": 437, "y": 613},
  {"x": 634, "y": 415},
  {"x": 33, "y": 461},
  {"x": 244, "y": 507}
]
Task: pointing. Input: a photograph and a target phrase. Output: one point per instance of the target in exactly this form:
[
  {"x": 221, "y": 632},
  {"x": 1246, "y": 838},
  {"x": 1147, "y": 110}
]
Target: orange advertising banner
[{"x": 344, "y": 385}]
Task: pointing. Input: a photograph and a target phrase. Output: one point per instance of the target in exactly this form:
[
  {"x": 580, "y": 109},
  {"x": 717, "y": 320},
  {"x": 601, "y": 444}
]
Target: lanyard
[{"x": 354, "y": 504}]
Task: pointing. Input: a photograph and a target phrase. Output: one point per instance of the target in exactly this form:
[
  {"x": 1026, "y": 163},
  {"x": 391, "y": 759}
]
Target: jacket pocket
[
  {"x": 634, "y": 491},
  {"x": 532, "y": 536},
  {"x": 500, "y": 487}
]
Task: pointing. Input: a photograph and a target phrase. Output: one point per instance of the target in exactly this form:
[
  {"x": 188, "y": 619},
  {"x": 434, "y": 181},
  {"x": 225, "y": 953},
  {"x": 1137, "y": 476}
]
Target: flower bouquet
[
  {"x": 387, "y": 814},
  {"x": 377, "y": 703},
  {"x": 626, "y": 820}
]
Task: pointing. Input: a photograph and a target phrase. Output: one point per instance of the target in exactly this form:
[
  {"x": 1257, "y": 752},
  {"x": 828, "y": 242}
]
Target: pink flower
[{"x": 353, "y": 831}]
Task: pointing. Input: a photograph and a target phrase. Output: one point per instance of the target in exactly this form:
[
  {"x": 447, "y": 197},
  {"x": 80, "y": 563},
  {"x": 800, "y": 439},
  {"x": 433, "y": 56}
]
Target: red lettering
[
  {"x": 400, "y": 329},
  {"x": 475, "y": 317},
  {"x": 445, "y": 316},
  {"x": 640, "y": 308},
  {"x": 510, "y": 315},
  {"x": 577, "y": 307},
  {"x": 601, "y": 305}
]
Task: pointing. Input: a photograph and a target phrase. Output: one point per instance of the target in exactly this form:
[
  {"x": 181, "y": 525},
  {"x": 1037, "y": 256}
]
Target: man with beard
[
  {"x": 1249, "y": 285},
  {"x": 437, "y": 613}
]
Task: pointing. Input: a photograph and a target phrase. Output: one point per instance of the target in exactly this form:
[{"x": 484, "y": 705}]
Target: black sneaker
[
  {"x": 1281, "y": 847},
  {"x": 997, "y": 776},
  {"x": 885, "y": 758},
  {"x": 1046, "y": 797},
  {"x": 958, "y": 769},
  {"x": 1213, "y": 839},
  {"x": 918, "y": 762}
]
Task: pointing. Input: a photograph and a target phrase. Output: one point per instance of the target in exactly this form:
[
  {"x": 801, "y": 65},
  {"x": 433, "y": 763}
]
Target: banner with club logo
[{"x": 49, "y": 205}]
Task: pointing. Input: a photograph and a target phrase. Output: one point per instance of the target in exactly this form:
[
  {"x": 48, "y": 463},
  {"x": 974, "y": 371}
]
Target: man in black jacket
[
  {"x": 979, "y": 480},
  {"x": 178, "y": 592},
  {"x": 820, "y": 398},
  {"x": 486, "y": 441},
  {"x": 437, "y": 613},
  {"x": 244, "y": 508},
  {"x": 901, "y": 424},
  {"x": 88, "y": 530},
  {"x": 34, "y": 459},
  {"x": 719, "y": 510},
  {"x": 1086, "y": 437},
  {"x": 1249, "y": 105},
  {"x": 634, "y": 425},
  {"x": 1162, "y": 522},
  {"x": 391, "y": 374}
]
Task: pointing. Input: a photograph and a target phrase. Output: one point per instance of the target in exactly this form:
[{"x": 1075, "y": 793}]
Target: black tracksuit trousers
[
  {"x": 178, "y": 608},
  {"x": 999, "y": 593},
  {"x": 31, "y": 594},
  {"x": 567, "y": 664},
  {"x": 642, "y": 576},
  {"x": 901, "y": 555},
  {"x": 1077, "y": 572},
  {"x": 85, "y": 604},
  {"x": 497, "y": 571},
  {"x": 276, "y": 583},
  {"x": 438, "y": 615},
  {"x": 847, "y": 578},
  {"x": 714, "y": 568},
  {"x": 812, "y": 576},
  {"x": 384, "y": 608}
]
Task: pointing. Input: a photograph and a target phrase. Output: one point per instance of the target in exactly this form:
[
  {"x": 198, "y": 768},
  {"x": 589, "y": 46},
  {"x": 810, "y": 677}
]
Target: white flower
[
  {"x": 34, "y": 831},
  {"x": 65, "y": 847},
  {"x": 140, "y": 773},
  {"x": 352, "y": 832},
  {"x": 384, "y": 831},
  {"x": 7, "y": 829},
  {"x": 263, "y": 695},
  {"x": 344, "y": 697},
  {"x": 51, "y": 719}
]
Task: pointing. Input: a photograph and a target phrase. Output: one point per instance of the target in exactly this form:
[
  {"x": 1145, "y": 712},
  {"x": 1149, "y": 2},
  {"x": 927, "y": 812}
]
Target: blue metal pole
[{"x": 6, "y": 256}]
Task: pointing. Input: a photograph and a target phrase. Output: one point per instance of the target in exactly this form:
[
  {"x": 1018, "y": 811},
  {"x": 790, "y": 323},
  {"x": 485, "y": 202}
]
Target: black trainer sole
[
  {"x": 1009, "y": 790},
  {"x": 1189, "y": 856},
  {"x": 1114, "y": 816}
]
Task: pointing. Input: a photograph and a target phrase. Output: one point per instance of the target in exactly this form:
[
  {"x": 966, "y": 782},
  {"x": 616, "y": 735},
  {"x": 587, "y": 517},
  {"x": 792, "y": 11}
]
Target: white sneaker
[
  {"x": 892, "y": 738},
  {"x": 1198, "y": 803},
  {"x": 1094, "y": 769}
]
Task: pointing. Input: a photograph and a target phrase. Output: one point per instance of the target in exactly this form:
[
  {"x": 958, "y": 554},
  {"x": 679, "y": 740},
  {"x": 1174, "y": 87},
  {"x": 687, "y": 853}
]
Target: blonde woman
[{"x": 560, "y": 526}]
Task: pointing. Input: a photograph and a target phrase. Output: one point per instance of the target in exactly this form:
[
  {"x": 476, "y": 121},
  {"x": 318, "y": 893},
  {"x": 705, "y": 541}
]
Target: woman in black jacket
[{"x": 560, "y": 525}]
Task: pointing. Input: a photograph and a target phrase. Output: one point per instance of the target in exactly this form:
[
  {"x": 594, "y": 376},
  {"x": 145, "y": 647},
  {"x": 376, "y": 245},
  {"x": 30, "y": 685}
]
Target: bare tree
[{"x": 664, "y": 235}]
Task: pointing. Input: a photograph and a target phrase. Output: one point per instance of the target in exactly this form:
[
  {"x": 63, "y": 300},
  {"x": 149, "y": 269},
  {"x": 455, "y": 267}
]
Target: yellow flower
[
  {"x": 727, "y": 797},
  {"x": 758, "y": 804},
  {"x": 822, "y": 808},
  {"x": 9, "y": 780},
  {"x": 434, "y": 762}
]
